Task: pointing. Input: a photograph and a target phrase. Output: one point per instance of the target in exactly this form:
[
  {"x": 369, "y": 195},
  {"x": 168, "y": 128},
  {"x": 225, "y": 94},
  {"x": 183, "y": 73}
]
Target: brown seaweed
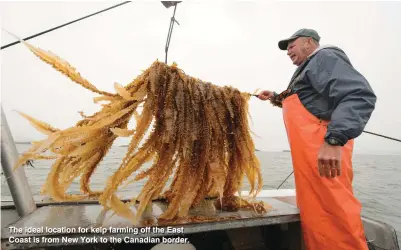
[{"x": 199, "y": 136}]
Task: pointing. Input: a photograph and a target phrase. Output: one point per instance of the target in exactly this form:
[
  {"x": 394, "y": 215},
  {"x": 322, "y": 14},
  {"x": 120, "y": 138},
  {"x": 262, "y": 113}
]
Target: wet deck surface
[{"x": 91, "y": 216}]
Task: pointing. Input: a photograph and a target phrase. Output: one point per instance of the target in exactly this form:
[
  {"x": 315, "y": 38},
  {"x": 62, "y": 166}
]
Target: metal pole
[{"x": 16, "y": 180}]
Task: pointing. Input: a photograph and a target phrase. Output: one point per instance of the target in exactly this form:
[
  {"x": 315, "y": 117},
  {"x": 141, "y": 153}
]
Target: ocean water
[{"x": 376, "y": 180}]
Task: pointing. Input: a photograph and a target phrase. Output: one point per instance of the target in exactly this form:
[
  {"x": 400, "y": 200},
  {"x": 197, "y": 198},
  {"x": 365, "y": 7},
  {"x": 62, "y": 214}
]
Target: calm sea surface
[{"x": 377, "y": 180}]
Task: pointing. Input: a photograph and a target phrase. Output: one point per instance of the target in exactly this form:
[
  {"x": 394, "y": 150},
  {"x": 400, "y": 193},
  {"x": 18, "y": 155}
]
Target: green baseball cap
[{"x": 283, "y": 44}]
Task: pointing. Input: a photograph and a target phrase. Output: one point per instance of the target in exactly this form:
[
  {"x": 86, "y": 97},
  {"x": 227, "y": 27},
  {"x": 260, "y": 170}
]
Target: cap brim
[{"x": 283, "y": 44}]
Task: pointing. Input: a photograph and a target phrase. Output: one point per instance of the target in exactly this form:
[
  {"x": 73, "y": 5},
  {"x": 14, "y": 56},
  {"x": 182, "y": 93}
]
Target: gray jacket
[{"x": 331, "y": 89}]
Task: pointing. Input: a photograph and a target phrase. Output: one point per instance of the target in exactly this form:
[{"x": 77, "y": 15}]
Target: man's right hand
[{"x": 265, "y": 95}]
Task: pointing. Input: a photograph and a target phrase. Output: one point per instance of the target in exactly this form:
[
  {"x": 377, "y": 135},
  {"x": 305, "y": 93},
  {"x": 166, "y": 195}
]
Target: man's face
[{"x": 298, "y": 50}]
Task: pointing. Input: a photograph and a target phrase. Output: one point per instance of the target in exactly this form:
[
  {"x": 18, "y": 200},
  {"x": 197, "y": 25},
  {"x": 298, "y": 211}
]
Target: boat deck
[{"x": 90, "y": 217}]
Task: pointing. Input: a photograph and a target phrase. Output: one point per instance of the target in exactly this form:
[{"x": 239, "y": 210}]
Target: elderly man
[{"x": 326, "y": 105}]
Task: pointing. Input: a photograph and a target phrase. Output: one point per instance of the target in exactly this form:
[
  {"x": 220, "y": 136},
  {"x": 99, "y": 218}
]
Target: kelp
[{"x": 199, "y": 136}]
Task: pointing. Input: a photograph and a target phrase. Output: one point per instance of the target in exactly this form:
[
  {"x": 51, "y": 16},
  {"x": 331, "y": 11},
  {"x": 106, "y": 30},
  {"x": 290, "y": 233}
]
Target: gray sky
[{"x": 227, "y": 43}]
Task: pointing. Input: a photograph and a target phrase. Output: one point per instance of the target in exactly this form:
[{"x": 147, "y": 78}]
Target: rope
[
  {"x": 170, "y": 31},
  {"x": 285, "y": 179},
  {"x": 173, "y": 20},
  {"x": 387, "y": 137},
  {"x": 60, "y": 26}
]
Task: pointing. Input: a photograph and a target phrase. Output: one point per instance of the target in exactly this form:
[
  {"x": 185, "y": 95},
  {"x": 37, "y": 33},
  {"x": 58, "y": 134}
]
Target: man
[{"x": 326, "y": 105}]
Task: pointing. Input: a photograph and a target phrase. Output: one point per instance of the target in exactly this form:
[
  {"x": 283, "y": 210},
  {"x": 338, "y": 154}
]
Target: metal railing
[{"x": 16, "y": 180}]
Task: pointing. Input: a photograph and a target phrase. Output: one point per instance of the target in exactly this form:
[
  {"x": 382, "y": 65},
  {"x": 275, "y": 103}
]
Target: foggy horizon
[{"x": 227, "y": 43}]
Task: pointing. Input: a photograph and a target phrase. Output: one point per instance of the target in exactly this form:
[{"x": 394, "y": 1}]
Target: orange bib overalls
[{"x": 330, "y": 213}]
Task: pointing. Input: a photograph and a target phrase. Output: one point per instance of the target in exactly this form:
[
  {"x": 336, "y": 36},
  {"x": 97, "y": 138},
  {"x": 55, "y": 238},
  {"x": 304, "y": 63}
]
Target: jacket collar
[{"x": 302, "y": 66}]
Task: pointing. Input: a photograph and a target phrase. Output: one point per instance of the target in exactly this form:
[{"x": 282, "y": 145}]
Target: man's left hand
[{"x": 329, "y": 160}]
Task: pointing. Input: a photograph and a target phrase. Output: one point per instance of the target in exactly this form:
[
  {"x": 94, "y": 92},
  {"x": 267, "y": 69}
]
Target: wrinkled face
[{"x": 299, "y": 49}]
